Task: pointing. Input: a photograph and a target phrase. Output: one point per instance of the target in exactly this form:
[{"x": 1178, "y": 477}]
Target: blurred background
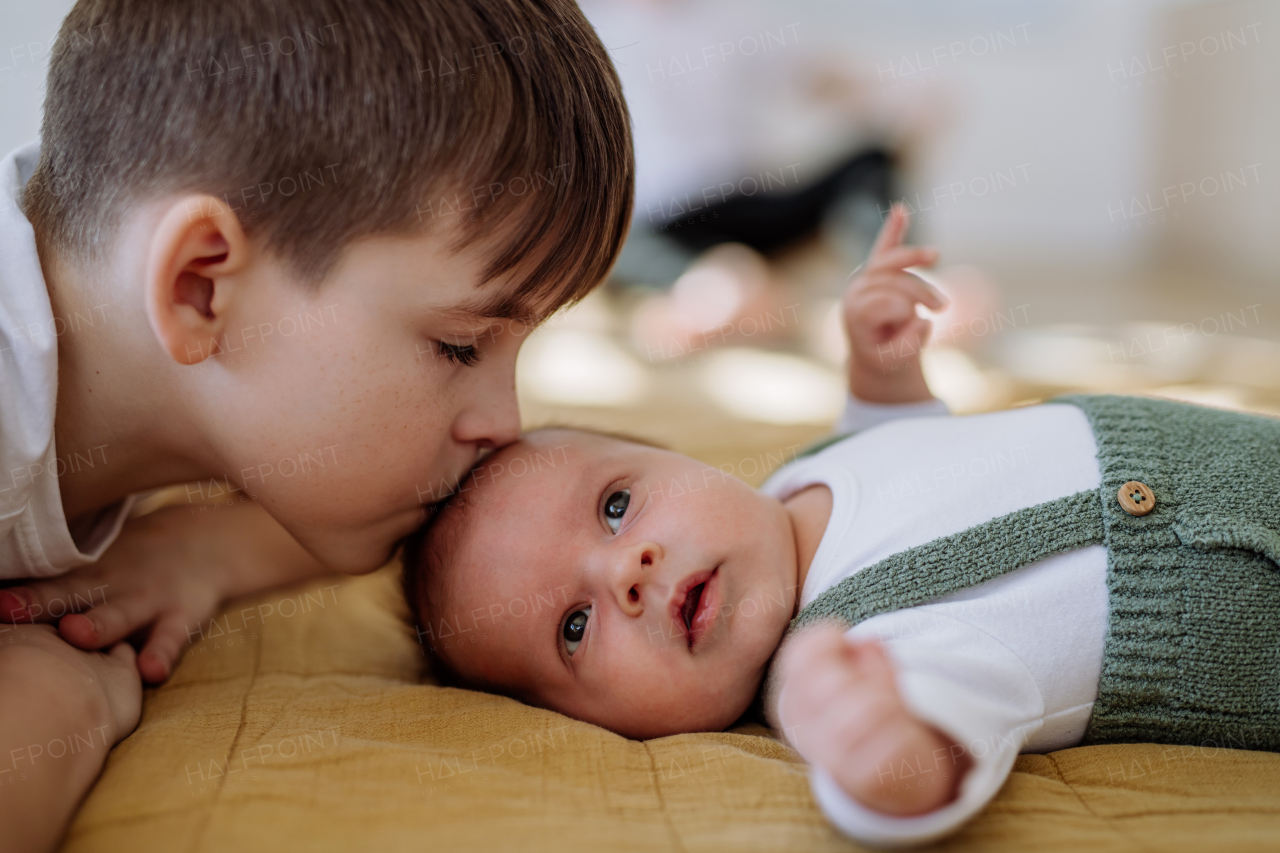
[{"x": 1100, "y": 176}]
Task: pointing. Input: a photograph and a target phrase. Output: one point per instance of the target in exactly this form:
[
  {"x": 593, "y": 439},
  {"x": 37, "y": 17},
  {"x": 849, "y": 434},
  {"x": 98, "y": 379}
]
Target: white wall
[
  {"x": 27, "y": 31},
  {"x": 1051, "y": 110},
  {"x": 1219, "y": 134}
]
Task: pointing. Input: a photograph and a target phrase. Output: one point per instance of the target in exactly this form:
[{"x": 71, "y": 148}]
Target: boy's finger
[
  {"x": 123, "y": 652},
  {"x": 163, "y": 648},
  {"x": 891, "y": 233},
  {"x": 13, "y": 605},
  {"x": 105, "y": 625},
  {"x": 47, "y": 601}
]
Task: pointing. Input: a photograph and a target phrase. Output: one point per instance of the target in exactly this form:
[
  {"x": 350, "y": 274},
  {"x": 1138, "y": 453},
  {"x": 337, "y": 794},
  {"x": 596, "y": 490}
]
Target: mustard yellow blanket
[{"x": 297, "y": 722}]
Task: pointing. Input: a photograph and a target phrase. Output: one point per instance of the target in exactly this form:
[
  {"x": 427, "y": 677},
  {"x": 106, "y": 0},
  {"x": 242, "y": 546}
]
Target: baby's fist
[{"x": 841, "y": 709}]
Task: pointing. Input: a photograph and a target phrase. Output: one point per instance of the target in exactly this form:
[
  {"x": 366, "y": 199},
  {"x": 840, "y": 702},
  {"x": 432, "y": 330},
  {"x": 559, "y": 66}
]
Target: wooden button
[{"x": 1137, "y": 498}]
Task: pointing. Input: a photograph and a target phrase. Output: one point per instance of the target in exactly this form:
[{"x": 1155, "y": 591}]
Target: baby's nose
[{"x": 633, "y": 578}]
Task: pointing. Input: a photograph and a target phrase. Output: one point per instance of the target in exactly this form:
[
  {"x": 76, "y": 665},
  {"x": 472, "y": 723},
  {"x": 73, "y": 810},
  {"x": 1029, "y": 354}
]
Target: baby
[{"x": 935, "y": 595}]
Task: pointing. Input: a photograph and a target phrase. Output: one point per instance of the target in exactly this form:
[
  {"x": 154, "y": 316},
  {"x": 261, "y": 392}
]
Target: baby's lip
[{"x": 707, "y": 605}]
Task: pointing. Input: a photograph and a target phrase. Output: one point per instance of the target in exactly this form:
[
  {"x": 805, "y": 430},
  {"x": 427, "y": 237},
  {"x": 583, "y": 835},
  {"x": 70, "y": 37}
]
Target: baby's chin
[{"x": 702, "y": 717}]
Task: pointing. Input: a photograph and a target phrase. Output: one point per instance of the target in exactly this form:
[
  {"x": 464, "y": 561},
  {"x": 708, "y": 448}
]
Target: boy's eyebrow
[{"x": 503, "y": 306}]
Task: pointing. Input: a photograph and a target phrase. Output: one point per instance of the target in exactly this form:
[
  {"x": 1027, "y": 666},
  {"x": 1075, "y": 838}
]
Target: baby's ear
[{"x": 196, "y": 249}]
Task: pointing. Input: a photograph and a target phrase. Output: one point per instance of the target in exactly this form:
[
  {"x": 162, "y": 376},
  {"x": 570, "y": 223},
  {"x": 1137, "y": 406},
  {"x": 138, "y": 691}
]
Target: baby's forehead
[
  {"x": 529, "y": 479},
  {"x": 542, "y": 459}
]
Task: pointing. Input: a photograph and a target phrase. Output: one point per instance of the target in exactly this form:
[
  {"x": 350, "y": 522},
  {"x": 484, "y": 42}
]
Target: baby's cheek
[{"x": 472, "y": 640}]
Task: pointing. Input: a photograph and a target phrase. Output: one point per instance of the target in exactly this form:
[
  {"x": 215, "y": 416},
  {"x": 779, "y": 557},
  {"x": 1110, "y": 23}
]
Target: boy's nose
[
  {"x": 633, "y": 575},
  {"x": 491, "y": 415},
  {"x": 494, "y": 423}
]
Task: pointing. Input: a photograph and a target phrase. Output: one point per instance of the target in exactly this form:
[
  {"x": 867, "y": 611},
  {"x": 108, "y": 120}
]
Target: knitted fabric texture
[{"x": 1192, "y": 651}]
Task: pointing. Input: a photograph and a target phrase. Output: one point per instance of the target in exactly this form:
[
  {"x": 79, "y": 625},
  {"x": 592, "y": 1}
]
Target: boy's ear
[{"x": 197, "y": 246}]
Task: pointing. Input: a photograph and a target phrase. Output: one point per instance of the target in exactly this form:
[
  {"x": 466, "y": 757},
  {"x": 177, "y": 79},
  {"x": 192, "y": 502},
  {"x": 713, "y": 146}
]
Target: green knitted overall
[{"x": 1192, "y": 652}]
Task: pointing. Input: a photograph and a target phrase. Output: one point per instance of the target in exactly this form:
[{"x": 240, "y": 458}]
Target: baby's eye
[
  {"x": 574, "y": 627},
  {"x": 615, "y": 508}
]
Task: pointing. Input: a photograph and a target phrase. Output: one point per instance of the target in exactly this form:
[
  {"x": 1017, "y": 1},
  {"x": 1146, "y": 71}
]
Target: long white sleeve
[
  {"x": 967, "y": 685},
  {"x": 859, "y": 415}
]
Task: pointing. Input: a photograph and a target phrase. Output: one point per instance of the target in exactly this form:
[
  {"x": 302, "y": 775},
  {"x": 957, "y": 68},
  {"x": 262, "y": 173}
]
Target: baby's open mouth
[
  {"x": 690, "y": 607},
  {"x": 697, "y": 609}
]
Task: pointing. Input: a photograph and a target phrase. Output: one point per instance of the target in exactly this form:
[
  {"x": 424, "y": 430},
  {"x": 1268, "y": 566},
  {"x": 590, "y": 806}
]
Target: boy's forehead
[
  {"x": 498, "y": 300},
  {"x": 507, "y": 295}
]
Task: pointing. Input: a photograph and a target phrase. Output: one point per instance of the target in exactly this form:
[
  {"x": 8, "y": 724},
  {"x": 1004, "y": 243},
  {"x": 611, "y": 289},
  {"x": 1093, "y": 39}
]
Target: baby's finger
[
  {"x": 918, "y": 332},
  {"x": 819, "y": 641},
  {"x": 913, "y": 286},
  {"x": 891, "y": 233},
  {"x": 901, "y": 257},
  {"x": 47, "y": 601},
  {"x": 163, "y": 648},
  {"x": 882, "y": 313},
  {"x": 872, "y": 661},
  {"x": 814, "y": 659},
  {"x": 107, "y": 624}
]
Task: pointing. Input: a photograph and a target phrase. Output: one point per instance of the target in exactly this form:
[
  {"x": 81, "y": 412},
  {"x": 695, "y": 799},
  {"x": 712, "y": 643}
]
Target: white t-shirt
[
  {"x": 1008, "y": 666},
  {"x": 35, "y": 540}
]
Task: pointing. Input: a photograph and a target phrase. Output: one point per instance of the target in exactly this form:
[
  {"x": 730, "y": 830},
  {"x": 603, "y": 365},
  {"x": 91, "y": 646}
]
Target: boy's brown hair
[{"x": 323, "y": 121}]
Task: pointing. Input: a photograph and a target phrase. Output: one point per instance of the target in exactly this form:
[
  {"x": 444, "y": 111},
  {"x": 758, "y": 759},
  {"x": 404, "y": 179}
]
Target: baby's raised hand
[
  {"x": 839, "y": 706},
  {"x": 885, "y": 333}
]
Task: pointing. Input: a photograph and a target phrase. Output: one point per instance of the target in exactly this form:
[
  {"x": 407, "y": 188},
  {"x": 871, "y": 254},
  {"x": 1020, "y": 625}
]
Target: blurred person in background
[{"x": 747, "y": 141}]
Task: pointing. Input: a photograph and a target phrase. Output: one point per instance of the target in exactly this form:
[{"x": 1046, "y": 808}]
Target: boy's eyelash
[{"x": 463, "y": 354}]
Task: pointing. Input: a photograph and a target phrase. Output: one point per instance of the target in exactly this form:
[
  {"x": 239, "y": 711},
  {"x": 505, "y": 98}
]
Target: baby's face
[{"x": 623, "y": 585}]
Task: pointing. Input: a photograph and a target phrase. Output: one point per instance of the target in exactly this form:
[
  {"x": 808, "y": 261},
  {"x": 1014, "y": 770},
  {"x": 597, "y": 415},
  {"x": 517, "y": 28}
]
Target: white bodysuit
[{"x": 1008, "y": 666}]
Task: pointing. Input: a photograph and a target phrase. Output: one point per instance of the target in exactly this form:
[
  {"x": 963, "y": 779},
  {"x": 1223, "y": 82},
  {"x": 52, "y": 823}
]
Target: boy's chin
[{"x": 345, "y": 554}]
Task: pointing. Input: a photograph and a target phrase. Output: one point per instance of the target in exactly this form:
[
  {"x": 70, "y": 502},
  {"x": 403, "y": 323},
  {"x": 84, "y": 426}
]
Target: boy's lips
[{"x": 696, "y": 604}]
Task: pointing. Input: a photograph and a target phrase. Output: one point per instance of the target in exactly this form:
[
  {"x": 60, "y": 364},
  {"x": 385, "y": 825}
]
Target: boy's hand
[
  {"x": 841, "y": 709},
  {"x": 885, "y": 333},
  {"x": 52, "y": 693},
  {"x": 166, "y": 573},
  {"x": 107, "y": 681}
]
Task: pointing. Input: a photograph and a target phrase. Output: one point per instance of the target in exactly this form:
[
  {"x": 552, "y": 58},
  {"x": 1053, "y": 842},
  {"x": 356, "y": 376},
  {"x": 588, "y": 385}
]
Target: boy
[
  {"x": 1098, "y": 570},
  {"x": 290, "y": 247}
]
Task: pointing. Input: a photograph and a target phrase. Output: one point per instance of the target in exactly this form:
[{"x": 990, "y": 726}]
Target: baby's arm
[
  {"x": 62, "y": 711},
  {"x": 168, "y": 572},
  {"x": 885, "y": 333},
  {"x": 955, "y": 707},
  {"x": 840, "y": 704}
]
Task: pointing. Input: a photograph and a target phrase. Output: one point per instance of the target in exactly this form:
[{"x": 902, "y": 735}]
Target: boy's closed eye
[{"x": 467, "y": 355}]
